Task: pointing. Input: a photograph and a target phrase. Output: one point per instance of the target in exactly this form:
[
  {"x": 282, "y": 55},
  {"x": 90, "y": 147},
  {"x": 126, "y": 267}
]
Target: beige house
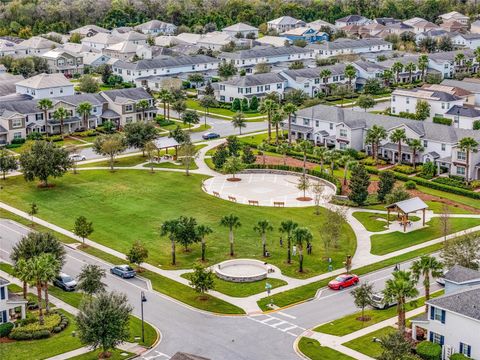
[{"x": 63, "y": 61}]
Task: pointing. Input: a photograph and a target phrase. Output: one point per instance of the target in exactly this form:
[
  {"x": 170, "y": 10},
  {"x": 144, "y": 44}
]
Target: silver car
[{"x": 378, "y": 301}]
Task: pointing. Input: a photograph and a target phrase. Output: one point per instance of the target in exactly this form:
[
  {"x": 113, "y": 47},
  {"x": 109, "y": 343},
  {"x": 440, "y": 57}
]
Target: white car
[
  {"x": 378, "y": 301},
  {"x": 77, "y": 157}
]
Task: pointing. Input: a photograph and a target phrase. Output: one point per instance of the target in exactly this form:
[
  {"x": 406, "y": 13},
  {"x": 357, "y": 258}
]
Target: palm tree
[
  {"x": 410, "y": 67},
  {"x": 468, "y": 145},
  {"x": 287, "y": 227},
  {"x": 231, "y": 221},
  {"x": 141, "y": 106},
  {"x": 423, "y": 65},
  {"x": 300, "y": 236},
  {"x": 416, "y": 146},
  {"x": 476, "y": 52},
  {"x": 171, "y": 228},
  {"x": 179, "y": 106},
  {"x": 45, "y": 105},
  {"x": 324, "y": 75},
  {"x": 374, "y": 135},
  {"x": 387, "y": 76},
  {"x": 203, "y": 231},
  {"x": 238, "y": 121},
  {"x": 277, "y": 119},
  {"x": 347, "y": 161},
  {"x": 283, "y": 149},
  {"x": 268, "y": 106},
  {"x": 427, "y": 266},
  {"x": 164, "y": 95},
  {"x": 397, "y": 136},
  {"x": 261, "y": 228},
  {"x": 321, "y": 153},
  {"x": 350, "y": 73},
  {"x": 397, "y": 68},
  {"x": 304, "y": 147},
  {"x": 51, "y": 268},
  {"x": 330, "y": 157},
  {"x": 459, "y": 59},
  {"x": 289, "y": 109},
  {"x": 399, "y": 289},
  {"x": 85, "y": 109},
  {"x": 60, "y": 114}
]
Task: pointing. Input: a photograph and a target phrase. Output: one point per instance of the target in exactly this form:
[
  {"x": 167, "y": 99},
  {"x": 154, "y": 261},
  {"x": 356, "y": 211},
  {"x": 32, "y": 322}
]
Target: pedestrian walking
[
  {"x": 294, "y": 250},
  {"x": 281, "y": 241}
]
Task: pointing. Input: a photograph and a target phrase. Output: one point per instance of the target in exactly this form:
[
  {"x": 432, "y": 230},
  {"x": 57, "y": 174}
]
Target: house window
[
  {"x": 240, "y": 90},
  {"x": 248, "y": 90},
  {"x": 317, "y": 123},
  {"x": 343, "y": 146},
  {"x": 465, "y": 349},
  {"x": 461, "y": 170},
  {"x": 38, "y": 117},
  {"x": 128, "y": 108},
  {"x": 461, "y": 155},
  {"x": 425, "y": 143},
  {"x": 17, "y": 135},
  {"x": 443, "y": 105},
  {"x": 16, "y": 123},
  {"x": 444, "y": 147},
  {"x": 2, "y": 293},
  {"x": 335, "y": 78},
  {"x": 408, "y": 100},
  {"x": 267, "y": 87},
  {"x": 222, "y": 98},
  {"x": 393, "y": 110},
  {"x": 436, "y": 338},
  {"x": 331, "y": 126},
  {"x": 306, "y": 122},
  {"x": 317, "y": 81},
  {"x": 222, "y": 87},
  {"x": 279, "y": 85},
  {"x": 306, "y": 85},
  {"x": 343, "y": 132},
  {"x": 128, "y": 119},
  {"x": 393, "y": 98}
]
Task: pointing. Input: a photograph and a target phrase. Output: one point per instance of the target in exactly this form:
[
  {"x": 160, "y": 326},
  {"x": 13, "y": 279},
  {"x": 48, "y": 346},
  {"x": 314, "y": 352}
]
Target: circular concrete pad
[{"x": 267, "y": 189}]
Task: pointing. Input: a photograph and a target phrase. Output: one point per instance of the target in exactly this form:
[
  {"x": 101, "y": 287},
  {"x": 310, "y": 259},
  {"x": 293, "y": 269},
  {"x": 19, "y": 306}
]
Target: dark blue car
[
  {"x": 210, "y": 135},
  {"x": 124, "y": 271}
]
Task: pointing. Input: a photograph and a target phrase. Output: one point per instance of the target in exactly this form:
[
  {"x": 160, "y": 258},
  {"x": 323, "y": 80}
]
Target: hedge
[
  {"x": 459, "y": 357},
  {"x": 430, "y": 184},
  {"x": 5, "y": 329},
  {"x": 429, "y": 351},
  {"x": 319, "y": 174},
  {"x": 442, "y": 120}
]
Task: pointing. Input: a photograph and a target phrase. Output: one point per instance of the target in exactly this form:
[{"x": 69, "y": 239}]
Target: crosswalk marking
[
  {"x": 159, "y": 356},
  {"x": 288, "y": 328},
  {"x": 278, "y": 324}
]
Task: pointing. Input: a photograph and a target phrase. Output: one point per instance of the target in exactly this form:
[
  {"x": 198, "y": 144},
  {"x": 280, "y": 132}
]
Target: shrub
[
  {"x": 429, "y": 351},
  {"x": 475, "y": 184},
  {"x": 85, "y": 133},
  {"x": 41, "y": 334},
  {"x": 476, "y": 126},
  {"x": 442, "y": 120},
  {"x": 410, "y": 185},
  {"x": 18, "y": 141},
  {"x": 5, "y": 329},
  {"x": 57, "y": 329},
  {"x": 458, "y": 357},
  {"x": 21, "y": 335},
  {"x": 161, "y": 121},
  {"x": 13, "y": 146},
  {"x": 54, "y": 138},
  {"x": 452, "y": 182},
  {"x": 406, "y": 115},
  {"x": 404, "y": 169},
  {"x": 369, "y": 161},
  {"x": 35, "y": 136},
  {"x": 50, "y": 322}
]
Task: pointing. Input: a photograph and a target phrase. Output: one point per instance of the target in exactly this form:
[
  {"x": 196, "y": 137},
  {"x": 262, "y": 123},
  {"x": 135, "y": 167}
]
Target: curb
[{"x": 297, "y": 349}]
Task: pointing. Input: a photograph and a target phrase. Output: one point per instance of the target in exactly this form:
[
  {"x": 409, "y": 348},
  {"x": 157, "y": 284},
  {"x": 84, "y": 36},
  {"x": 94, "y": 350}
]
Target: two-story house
[
  {"x": 345, "y": 46},
  {"x": 470, "y": 41},
  {"x": 459, "y": 278},
  {"x": 446, "y": 63},
  {"x": 241, "y": 29},
  {"x": 9, "y": 303},
  {"x": 45, "y": 86},
  {"x": 453, "y": 321},
  {"x": 306, "y": 34},
  {"x": 284, "y": 23},
  {"x": 156, "y": 27},
  {"x": 35, "y": 46},
  {"x": 352, "y": 20},
  {"x": 64, "y": 62}
]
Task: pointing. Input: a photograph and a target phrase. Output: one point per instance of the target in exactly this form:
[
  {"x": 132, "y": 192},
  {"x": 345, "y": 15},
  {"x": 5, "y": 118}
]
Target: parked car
[
  {"x": 124, "y": 271},
  {"x": 378, "y": 301},
  {"x": 441, "y": 280},
  {"x": 343, "y": 281},
  {"x": 77, "y": 157},
  {"x": 210, "y": 135},
  {"x": 65, "y": 282}
]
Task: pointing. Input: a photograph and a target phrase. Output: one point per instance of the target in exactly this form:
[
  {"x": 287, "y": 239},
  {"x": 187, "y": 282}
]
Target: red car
[{"x": 343, "y": 281}]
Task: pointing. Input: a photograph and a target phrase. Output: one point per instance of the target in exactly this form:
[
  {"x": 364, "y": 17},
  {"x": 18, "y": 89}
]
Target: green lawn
[
  {"x": 386, "y": 243},
  {"x": 257, "y": 139},
  {"x": 365, "y": 345},
  {"x": 93, "y": 355},
  {"x": 44, "y": 348},
  {"x": 435, "y": 206},
  {"x": 193, "y": 104},
  {"x": 372, "y": 223},
  {"x": 349, "y": 324},
  {"x": 308, "y": 291},
  {"x": 126, "y": 161},
  {"x": 457, "y": 198},
  {"x": 242, "y": 289},
  {"x": 170, "y": 165},
  {"x": 312, "y": 349},
  {"x": 144, "y": 201}
]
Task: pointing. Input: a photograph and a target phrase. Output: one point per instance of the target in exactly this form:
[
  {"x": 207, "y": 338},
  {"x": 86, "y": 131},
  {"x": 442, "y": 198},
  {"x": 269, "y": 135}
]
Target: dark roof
[
  {"x": 163, "y": 63},
  {"x": 3, "y": 130},
  {"x": 460, "y": 274},
  {"x": 465, "y": 302},
  {"x": 94, "y": 99},
  {"x": 185, "y": 356},
  {"x": 4, "y": 281},
  {"x": 351, "y": 18},
  {"x": 131, "y": 94},
  {"x": 466, "y": 111},
  {"x": 110, "y": 114},
  {"x": 256, "y": 79},
  {"x": 312, "y": 73},
  {"x": 423, "y": 317}
]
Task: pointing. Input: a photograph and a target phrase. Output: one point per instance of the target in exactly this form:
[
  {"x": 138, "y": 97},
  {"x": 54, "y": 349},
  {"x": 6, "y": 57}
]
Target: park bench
[
  {"x": 216, "y": 194},
  {"x": 253, "y": 202},
  {"x": 278, "y": 204},
  {"x": 232, "y": 198}
]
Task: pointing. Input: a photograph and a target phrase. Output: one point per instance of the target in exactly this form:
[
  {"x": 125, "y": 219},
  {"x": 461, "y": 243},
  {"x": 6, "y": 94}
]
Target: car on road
[
  {"x": 441, "y": 280},
  {"x": 65, "y": 282},
  {"x": 343, "y": 281},
  {"x": 77, "y": 157},
  {"x": 210, "y": 135},
  {"x": 378, "y": 301},
  {"x": 124, "y": 271}
]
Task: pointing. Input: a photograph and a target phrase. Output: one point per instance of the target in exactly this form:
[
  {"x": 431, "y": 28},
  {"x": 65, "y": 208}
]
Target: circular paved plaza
[{"x": 263, "y": 190}]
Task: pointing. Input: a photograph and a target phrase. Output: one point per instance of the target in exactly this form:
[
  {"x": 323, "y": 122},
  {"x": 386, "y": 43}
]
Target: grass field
[
  {"x": 312, "y": 349},
  {"x": 387, "y": 243},
  {"x": 365, "y": 345},
  {"x": 126, "y": 161},
  {"x": 192, "y": 104},
  {"x": 372, "y": 223},
  {"x": 131, "y": 205}
]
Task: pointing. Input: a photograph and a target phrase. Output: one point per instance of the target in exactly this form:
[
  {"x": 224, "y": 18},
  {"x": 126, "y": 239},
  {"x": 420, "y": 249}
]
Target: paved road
[
  {"x": 222, "y": 127},
  {"x": 217, "y": 337}
]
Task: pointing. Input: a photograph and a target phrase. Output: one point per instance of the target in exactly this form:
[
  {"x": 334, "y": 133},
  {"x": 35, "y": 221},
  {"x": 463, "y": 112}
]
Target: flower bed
[
  {"x": 404, "y": 169},
  {"x": 30, "y": 327}
]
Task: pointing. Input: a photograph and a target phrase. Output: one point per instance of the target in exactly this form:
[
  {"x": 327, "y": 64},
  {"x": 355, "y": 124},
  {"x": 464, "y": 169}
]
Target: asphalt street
[{"x": 266, "y": 336}]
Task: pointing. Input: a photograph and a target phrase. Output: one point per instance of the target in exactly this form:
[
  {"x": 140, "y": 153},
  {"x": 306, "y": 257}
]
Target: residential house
[
  {"x": 89, "y": 31},
  {"x": 275, "y": 41},
  {"x": 94, "y": 60},
  {"x": 45, "y": 86},
  {"x": 452, "y": 321},
  {"x": 470, "y": 41},
  {"x": 424, "y": 26},
  {"x": 386, "y": 21},
  {"x": 7, "y": 84},
  {"x": 471, "y": 85},
  {"x": 36, "y": 45},
  {"x": 396, "y": 29},
  {"x": 9, "y": 303},
  {"x": 436, "y": 34},
  {"x": 101, "y": 40},
  {"x": 7, "y": 48},
  {"x": 371, "y": 30},
  {"x": 404, "y": 75},
  {"x": 367, "y": 70},
  {"x": 413, "y": 21},
  {"x": 320, "y": 25},
  {"x": 440, "y": 102},
  {"x": 284, "y": 23},
  {"x": 475, "y": 27},
  {"x": 460, "y": 278},
  {"x": 349, "y": 46},
  {"x": 307, "y": 34},
  {"x": 133, "y": 37},
  {"x": 453, "y": 26},
  {"x": 124, "y": 50},
  {"x": 64, "y": 62},
  {"x": 456, "y": 16},
  {"x": 463, "y": 117},
  {"x": 351, "y": 20},
  {"x": 170, "y": 66},
  {"x": 245, "y": 87},
  {"x": 445, "y": 62},
  {"x": 156, "y": 27},
  {"x": 242, "y": 30}
]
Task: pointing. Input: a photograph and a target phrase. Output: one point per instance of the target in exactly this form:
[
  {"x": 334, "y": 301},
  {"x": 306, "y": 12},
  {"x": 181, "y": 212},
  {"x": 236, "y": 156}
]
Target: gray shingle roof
[
  {"x": 284, "y": 20},
  {"x": 351, "y": 18},
  {"x": 465, "y": 302},
  {"x": 94, "y": 99},
  {"x": 132, "y": 94},
  {"x": 311, "y": 73},
  {"x": 4, "y": 281},
  {"x": 345, "y": 43},
  {"x": 450, "y": 55},
  {"x": 265, "y": 51},
  {"x": 165, "y": 63},
  {"x": 466, "y": 85},
  {"x": 256, "y": 79},
  {"x": 460, "y": 274},
  {"x": 466, "y": 111}
]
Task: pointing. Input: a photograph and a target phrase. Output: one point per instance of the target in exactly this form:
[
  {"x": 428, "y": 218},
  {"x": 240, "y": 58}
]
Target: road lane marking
[
  {"x": 277, "y": 324},
  {"x": 286, "y": 315}
]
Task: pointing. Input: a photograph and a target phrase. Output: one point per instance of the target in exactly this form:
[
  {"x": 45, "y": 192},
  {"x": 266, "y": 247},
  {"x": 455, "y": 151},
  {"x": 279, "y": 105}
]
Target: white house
[
  {"x": 241, "y": 28},
  {"x": 101, "y": 40},
  {"x": 453, "y": 321},
  {"x": 352, "y": 20},
  {"x": 460, "y": 278},
  {"x": 169, "y": 66},
  {"x": 156, "y": 27},
  {"x": 9, "y": 303},
  {"x": 471, "y": 41},
  {"x": 36, "y": 45},
  {"x": 45, "y": 86},
  {"x": 464, "y": 117},
  {"x": 471, "y": 85},
  {"x": 89, "y": 30},
  {"x": 7, "y": 48},
  {"x": 445, "y": 64},
  {"x": 345, "y": 46},
  {"x": 284, "y": 23},
  {"x": 404, "y": 100},
  {"x": 455, "y": 15}
]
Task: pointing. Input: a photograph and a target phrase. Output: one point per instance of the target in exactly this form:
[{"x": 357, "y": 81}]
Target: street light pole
[{"x": 142, "y": 300}]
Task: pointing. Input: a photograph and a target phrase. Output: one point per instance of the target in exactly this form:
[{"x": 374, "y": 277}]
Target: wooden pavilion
[
  {"x": 406, "y": 207},
  {"x": 166, "y": 143}
]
